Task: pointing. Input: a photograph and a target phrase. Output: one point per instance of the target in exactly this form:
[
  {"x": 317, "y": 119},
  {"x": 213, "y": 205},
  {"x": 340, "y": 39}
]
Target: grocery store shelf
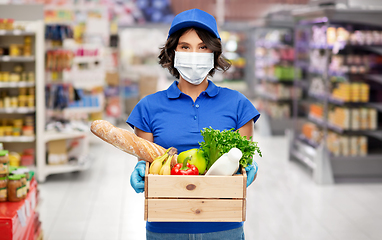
[
  {"x": 276, "y": 80},
  {"x": 309, "y": 162},
  {"x": 375, "y": 49},
  {"x": 17, "y": 139},
  {"x": 86, "y": 59},
  {"x": 17, "y": 59},
  {"x": 304, "y": 64},
  {"x": 370, "y": 157},
  {"x": 373, "y": 133},
  {"x": 51, "y": 136},
  {"x": 357, "y": 166},
  {"x": 264, "y": 94},
  {"x": 271, "y": 45},
  {"x": 377, "y": 106},
  {"x": 16, "y": 32},
  {"x": 55, "y": 169},
  {"x": 20, "y": 110},
  {"x": 375, "y": 77},
  {"x": 16, "y": 84},
  {"x": 305, "y": 140},
  {"x": 341, "y": 102}
]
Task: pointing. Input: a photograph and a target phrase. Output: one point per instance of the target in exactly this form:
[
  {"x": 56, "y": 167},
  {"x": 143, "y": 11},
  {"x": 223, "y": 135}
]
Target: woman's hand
[
  {"x": 137, "y": 178},
  {"x": 251, "y": 173},
  {"x": 247, "y": 130}
]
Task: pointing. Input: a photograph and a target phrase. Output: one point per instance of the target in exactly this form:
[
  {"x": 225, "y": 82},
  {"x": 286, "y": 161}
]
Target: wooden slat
[
  {"x": 245, "y": 193},
  {"x": 195, "y": 210},
  {"x": 146, "y": 178},
  {"x": 146, "y": 210},
  {"x": 196, "y": 186}
]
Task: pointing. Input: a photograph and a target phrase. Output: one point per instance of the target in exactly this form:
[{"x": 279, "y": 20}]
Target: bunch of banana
[{"x": 158, "y": 167}]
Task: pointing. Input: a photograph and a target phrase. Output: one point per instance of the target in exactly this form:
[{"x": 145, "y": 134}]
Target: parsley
[{"x": 216, "y": 143}]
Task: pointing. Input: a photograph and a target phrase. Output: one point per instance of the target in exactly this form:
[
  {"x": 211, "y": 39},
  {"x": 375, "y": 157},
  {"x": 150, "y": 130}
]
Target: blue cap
[{"x": 194, "y": 18}]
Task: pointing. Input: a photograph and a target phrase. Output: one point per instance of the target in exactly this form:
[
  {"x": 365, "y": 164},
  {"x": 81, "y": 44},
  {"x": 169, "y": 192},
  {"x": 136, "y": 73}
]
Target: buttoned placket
[{"x": 196, "y": 106}]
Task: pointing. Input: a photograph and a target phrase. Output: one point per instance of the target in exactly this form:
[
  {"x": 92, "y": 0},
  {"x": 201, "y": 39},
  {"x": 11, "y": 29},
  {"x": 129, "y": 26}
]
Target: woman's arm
[
  {"x": 145, "y": 135},
  {"x": 247, "y": 130}
]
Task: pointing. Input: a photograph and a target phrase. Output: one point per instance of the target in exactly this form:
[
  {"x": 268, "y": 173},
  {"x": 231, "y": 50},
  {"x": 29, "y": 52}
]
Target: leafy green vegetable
[{"x": 217, "y": 142}]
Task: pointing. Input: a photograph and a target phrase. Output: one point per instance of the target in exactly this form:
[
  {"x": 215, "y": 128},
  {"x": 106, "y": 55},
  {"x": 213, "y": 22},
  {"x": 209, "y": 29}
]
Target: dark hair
[{"x": 167, "y": 54}]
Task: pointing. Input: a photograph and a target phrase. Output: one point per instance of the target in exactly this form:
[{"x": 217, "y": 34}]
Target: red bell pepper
[{"x": 185, "y": 168}]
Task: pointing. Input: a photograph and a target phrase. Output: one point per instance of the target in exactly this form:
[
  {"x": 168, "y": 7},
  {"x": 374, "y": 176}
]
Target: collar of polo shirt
[{"x": 174, "y": 92}]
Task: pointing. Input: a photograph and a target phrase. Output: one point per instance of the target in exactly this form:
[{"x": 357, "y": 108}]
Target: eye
[
  {"x": 203, "y": 47},
  {"x": 184, "y": 47}
]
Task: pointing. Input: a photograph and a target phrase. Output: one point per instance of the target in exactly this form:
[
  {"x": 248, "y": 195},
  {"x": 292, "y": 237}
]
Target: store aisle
[{"x": 283, "y": 203}]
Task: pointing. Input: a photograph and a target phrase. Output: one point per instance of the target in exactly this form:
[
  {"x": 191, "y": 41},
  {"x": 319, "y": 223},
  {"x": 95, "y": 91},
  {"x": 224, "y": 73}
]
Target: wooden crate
[{"x": 195, "y": 198}]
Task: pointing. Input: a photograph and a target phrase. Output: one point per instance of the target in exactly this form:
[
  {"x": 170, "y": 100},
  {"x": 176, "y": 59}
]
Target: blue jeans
[{"x": 233, "y": 234}]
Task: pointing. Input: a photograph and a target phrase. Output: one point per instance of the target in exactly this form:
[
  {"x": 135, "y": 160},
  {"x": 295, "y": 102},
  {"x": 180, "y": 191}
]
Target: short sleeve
[
  {"x": 245, "y": 111},
  {"x": 140, "y": 116}
]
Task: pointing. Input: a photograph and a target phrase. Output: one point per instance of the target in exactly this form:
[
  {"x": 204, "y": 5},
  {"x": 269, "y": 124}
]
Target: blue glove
[
  {"x": 137, "y": 178},
  {"x": 251, "y": 172}
]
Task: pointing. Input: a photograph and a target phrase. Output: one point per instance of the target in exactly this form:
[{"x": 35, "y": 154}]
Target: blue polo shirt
[{"x": 175, "y": 120}]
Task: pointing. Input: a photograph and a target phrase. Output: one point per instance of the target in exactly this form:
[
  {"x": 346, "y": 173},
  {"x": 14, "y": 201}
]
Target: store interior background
[{"x": 313, "y": 68}]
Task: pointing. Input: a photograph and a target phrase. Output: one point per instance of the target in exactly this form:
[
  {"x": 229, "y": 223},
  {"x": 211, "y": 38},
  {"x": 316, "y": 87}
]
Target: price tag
[
  {"x": 22, "y": 217},
  {"x": 27, "y": 207},
  {"x": 2, "y": 32},
  {"x": 33, "y": 200}
]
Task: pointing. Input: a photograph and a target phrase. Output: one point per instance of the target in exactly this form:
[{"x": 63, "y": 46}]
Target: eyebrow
[{"x": 186, "y": 43}]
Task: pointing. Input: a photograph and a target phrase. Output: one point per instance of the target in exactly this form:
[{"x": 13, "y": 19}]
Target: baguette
[{"x": 128, "y": 141}]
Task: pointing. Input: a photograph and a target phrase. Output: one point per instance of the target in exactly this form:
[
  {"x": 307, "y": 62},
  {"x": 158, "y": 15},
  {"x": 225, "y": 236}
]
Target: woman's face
[{"x": 190, "y": 42}]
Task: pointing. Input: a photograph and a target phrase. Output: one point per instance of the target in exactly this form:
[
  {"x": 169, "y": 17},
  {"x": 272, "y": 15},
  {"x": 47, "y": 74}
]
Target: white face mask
[{"x": 192, "y": 66}]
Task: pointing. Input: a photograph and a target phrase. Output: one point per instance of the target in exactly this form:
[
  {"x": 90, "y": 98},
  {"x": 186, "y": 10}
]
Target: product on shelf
[
  {"x": 4, "y": 163},
  {"x": 311, "y": 132},
  {"x": 321, "y": 35},
  {"x": 59, "y": 60},
  {"x": 25, "y": 98},
  {"x": 14, "y": 159},
  {"x": 337, "y": 144},
  {"x": 15, "y": 188},
  {"x": 6, "y": 24},
  {"x": 316, "y": 110},
  {"x": 27, "y": 157},
  {"x": 354, "y": 118},
  {"x": 343, "y": 145},
  {"x": 56, "y": 34},
  {"x": 352, "y": 92},
  {"x": 3, "y": 189},
  {"x": 17, "y": 127},
  {"x": 274, "y": 110},
  {"x": 281, "y": 91}
]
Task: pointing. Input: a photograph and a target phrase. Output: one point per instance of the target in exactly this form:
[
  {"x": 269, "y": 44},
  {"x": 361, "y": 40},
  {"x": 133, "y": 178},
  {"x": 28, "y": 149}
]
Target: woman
[{"x": 175, "y": 117}]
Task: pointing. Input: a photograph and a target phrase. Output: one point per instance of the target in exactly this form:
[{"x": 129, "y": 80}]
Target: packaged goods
[
  {"x": 3, "y": 189},
  {"x": 5, "y": 76},
  {"x": 345, "y": 144},
  {"x": 15, "y": 188},
  {"x": 364, "y": 118},
  {"x": 373, "y": 119},
  {"x": 353, "y": 146},
  {"x": 24, "y": 185},
  {"x": 227, "y": 164},
  {"x": 4, "y": 162},
  {"x": 14, "y": 158},
  {"x": 362, "y": 143},
  {"x": 355, "y": 123}
]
